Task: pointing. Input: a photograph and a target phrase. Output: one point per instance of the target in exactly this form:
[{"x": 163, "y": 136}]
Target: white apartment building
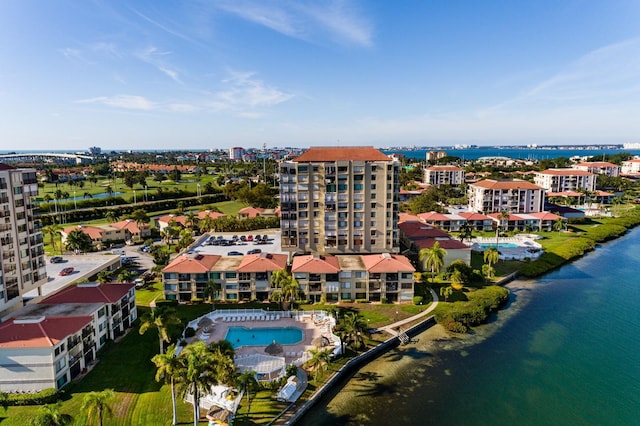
[
  {"x": 599, "y": 167},
  {"x": 444, "y": 175},
  {"x": 22, "y": 264},
  {"x": 514, "y": 196},
  {"x": 561, "y": 180},
  {"x": 236, "y": 153},
  {"x": 631, "y": 167},
  {"x": 340, "y": 201}
]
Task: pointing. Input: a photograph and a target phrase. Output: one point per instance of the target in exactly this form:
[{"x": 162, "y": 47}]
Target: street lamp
[{"x": 198, "y": 192}]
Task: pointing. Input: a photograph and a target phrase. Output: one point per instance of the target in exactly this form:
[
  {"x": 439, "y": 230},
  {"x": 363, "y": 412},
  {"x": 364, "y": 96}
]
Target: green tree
[
  {"x": 491, "y": 257},
  {"x": 433, "y": 259},
  {"x": 125, "y": 276},
  {"x": 111, "y": 216},
  {"x": 446, "y": 292},
  {"x": 466, "y": 232},
  {"x": 140, "y": 216},
  {"x": 558, "y": 224},
  {"x": 247, "y": 382},
  {"x": 196, "y": 374},
  {"x": 104, "y": 276},
  {"x": 78, "y": 241},
  {"x": 355, "y": 329},
  {"x": 50, "y": 415},
  {"x": 160, "y": 318},
  {"x": 54, "y": 232},
  {"x": 503, "y": 225},
  {"x": 96, "y": 404},
  {"x": 212, "y": 290},
  {"x": 319, "y": 361},
  {"x": 457, "y": 280},
  {"x": 169, "y": 369}
]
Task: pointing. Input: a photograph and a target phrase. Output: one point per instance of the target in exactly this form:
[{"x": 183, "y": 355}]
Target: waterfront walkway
[{"x": 392, "y": 329}]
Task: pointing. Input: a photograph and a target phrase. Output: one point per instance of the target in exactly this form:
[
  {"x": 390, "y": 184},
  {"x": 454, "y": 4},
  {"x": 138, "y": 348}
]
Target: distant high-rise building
[
  {"x": 340, "y": 201},
  {"x": 236, "y": 153},
  {"x": 94, "y": 150},
  {"x": 22, "y": 265},
  {"x": 436, "y": 155}
]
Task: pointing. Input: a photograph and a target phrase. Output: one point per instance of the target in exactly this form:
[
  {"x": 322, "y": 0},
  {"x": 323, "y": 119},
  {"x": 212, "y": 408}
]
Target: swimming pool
[
  {"x": 242, "y": 336},
  {"x": 484, "y": 246}
]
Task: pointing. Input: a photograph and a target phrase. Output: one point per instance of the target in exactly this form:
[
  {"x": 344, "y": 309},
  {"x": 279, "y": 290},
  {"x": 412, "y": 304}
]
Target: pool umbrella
[
  {"x": 274, "y": 348},
  {"x": 205, "y": 322},
  {"x": 320, "y": 342}
]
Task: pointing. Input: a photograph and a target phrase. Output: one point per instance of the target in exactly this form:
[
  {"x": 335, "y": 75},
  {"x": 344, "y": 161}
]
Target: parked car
[
  {"x": 254, "y": 251},
  {"x": 249, "y": 237},
  {"x": 56, "y": 259},
  {"x": 66, "y": 271},
  {"x": 234, "y": 253}
]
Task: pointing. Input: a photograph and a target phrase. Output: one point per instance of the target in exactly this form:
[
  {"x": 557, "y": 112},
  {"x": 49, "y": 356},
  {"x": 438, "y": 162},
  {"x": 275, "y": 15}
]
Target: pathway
[{"x": 392, "y": 329}]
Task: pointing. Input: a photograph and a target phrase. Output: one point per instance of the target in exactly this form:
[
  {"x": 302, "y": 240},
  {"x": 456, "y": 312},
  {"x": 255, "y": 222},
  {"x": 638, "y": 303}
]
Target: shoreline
[{"x": 434, "y": 338}]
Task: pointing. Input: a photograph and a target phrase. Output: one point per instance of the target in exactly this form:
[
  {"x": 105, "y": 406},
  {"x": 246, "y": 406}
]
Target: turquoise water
[
  {"x": 565, "y": 352},
  {"x": 485, "y": 246},
  {"x": 242, "y": 336}
]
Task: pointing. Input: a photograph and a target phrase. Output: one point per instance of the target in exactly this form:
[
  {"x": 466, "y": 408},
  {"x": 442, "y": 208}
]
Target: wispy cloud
[
  {"x": 338, "y": 20},
  {"x": 71, "y": 53},
  {"x": 122, "y": 101},
  {"x": 157, "y": 58},
  {"x": 243, "y": 92}
]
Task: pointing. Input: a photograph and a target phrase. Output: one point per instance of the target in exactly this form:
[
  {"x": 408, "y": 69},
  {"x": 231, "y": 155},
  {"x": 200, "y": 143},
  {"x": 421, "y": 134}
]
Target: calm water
[
  {"x": 242, "y": 336},
  {"x": 565, "y": 352},
  {"x": 516, "y": 153}
]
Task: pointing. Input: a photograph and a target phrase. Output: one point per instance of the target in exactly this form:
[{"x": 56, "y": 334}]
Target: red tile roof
[
  {"x": 94, "y": 232},
  {"x": 545, "y": 216},
  {"x": 347, "y": 153},
  {"x": 445, "y": 243},
  {"x": 89, "y": 293},
  {"x": 130, "y": 225},
  {"x": 263, "y": 262},
  {"x": 434, "y": 217},
  {"x": 445, "y": 168},
  {"x": 211, "y": 214},
  {"x": 566, "y": 172},
  {"x": 178, "y": 218},
  {"x": 315, "y": 265},
  {"x": 473, "y": 216},
  {"x": 420, "y": 230},
  {"x": 46, "y": 333},
  {"x": 406, "y": 217},
  {"x": 192, "y": 264},
  {"x": 376, "y": 263},
  {"x": 596, "y": 164},
  {"x": 505, "y": 184}
]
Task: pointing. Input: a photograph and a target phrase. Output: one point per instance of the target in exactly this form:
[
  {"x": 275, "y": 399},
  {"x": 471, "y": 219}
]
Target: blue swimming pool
[
  {"x": 485, "y": 246},
  {"x": 242, "y": 336}
]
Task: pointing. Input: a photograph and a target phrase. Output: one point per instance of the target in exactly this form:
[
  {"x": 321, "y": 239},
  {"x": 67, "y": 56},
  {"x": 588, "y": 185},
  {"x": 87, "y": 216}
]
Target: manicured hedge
[{"x": 45, "y": 396}]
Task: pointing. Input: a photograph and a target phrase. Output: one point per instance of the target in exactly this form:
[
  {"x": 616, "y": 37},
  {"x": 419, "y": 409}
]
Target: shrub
[
  {"x": 362, "y": 301},
  {"x": 417, "y": 300},
  {"x": 45, "y": 396},
  {"x": 384, "y": 300},
  {"x": 197, "y": 300},
  {"x": 165, "y": 302},
  {"x": 459, "y": 316}
]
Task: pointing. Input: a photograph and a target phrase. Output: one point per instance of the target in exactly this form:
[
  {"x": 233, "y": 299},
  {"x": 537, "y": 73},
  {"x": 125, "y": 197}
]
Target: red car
[{"x": 66, "y": 271}]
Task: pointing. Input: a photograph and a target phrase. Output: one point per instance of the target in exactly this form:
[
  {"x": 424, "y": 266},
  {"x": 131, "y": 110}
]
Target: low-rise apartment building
[
  {"x": 563, "y": 180},
  {"x": 599, "y": 167},
  {"x": 100, "y": 235},
  {"x": 444, "y": 175},
  {"x": 631, "y": 167},
  {"x": 48, "y": 344},
  {"x": 347, "y": 278},
  {"x": 514, "y": 196}
]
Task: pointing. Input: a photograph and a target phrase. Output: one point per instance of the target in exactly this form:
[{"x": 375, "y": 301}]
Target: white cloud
[
  {"x": 155, "y": 57},
  {"x": 306, "y": 20},
  {"x": 71, "y": 53},
  {"x": 122, "y": 101}
]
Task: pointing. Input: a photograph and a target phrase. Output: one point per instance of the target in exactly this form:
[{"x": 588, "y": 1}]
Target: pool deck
[{"x": 218, "y": 331}]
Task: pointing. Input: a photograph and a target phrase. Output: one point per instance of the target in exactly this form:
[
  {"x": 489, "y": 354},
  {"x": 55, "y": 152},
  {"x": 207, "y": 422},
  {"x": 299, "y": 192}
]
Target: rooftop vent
[{"x": 386, "y": 255}]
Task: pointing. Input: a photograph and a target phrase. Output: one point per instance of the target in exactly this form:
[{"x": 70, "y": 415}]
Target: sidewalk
[{"x": 392, "y": 329}]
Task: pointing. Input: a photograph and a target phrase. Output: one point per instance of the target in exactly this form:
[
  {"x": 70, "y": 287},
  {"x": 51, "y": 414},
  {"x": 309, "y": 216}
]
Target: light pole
[
  {"x": 198, "y": 192},
  {"x": 264, "y": 161},
  {"x": 75, "y": 202}
]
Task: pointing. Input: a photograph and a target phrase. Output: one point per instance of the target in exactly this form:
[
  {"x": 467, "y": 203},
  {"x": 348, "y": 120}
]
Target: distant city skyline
[{"x": 202, "y": 75}]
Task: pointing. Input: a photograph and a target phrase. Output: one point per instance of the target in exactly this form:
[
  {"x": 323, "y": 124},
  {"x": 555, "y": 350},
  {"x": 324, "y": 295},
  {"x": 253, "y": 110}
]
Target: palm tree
[
  {"x": 503, "y": 217},
  {"x": 558, "y": 224},
  {"x": 248, "y": 383},
  {"x": 211, "y": 290},
  {"x": 140, "y": 216},
  {"x": 286, "y": 285},
  {"x": 53, "y": 231},
  {"x": 50, "y": 415},
  {"x": 104, "y": 277},
  {"x": 78, "y": 241},
  {"x": 111, "y": 216},
  {"x": 355, "y": 329},
  {"x": 169, "y": 369},
  {"x": 196, "y": 375},
  {"x": 446, "y": 292},
  {"x": 433, "y": 259},
  {"x": 319, "y": 360},
  {"x": 457, "y": 279},
  {"x": 191, "y": 220},
  {"x": 125, "y": 276},
  {"x": 160, "y": 318},
  {"x": 290, "y": 291},
  {"x": 97, "y": 405},
  {"x": 491, "y": 257}
]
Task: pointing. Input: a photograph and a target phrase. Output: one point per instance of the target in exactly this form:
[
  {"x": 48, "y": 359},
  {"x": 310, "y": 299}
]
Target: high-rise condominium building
[
  {"x": 21, "y": 249},
  {"x": 340, "y": 200}
]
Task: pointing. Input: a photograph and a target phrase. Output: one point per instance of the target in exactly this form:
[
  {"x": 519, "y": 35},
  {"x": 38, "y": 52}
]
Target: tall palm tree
[
  {"x": 282, "y": 281},
  {"x": 50, "y": 415},
  {"x": 125, "y": 276},
  {"x": 504, "y": 224},
  {"x": 104, "y": 277},
  {"x": 54, "y": 231},
  {"x": 211, "y": 290},
  {"x": 96, "y": 404},
  {"x": 558, "y": 224},
  {"x": 433, "y": 259},
  {"x": 319, "y": 360},
  {"x": 191, "y": 220},
  {"x": 491, "y": 257},
  {"x": 111, "y": 216},
  {"x": 355, "y": 329},
  {"x": 169, "y": 369},
  {"x": 160, "y": 318},
  {"x": 247, "y": 382},
  {"x": 290, "y": 290},
  {"x": 78, "y": 241},
  {"x": 196, "y": 375}
]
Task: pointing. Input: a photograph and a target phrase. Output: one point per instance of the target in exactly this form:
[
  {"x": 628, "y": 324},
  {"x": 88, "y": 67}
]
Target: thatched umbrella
[
  {"x": 274, "y": 348},
  {"x": 205, "y": 322},
  {"x": 320, "y": 342}
]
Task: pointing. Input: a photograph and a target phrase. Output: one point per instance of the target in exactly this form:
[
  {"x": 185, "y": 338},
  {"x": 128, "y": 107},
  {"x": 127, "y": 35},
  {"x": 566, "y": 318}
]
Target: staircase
[{"x": 402, "y": 336}]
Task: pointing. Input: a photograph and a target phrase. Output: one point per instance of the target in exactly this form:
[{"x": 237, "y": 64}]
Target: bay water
[{"x": 566, "y": 351}]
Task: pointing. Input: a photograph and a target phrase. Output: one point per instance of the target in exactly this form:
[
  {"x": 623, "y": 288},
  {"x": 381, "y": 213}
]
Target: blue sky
[{"x": 214, "y": 74}]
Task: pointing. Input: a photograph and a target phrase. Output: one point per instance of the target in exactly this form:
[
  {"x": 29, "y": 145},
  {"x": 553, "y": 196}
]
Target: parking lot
[
  {"x": 83, "y": 266},
  {"x": 272, "y": 244}
]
